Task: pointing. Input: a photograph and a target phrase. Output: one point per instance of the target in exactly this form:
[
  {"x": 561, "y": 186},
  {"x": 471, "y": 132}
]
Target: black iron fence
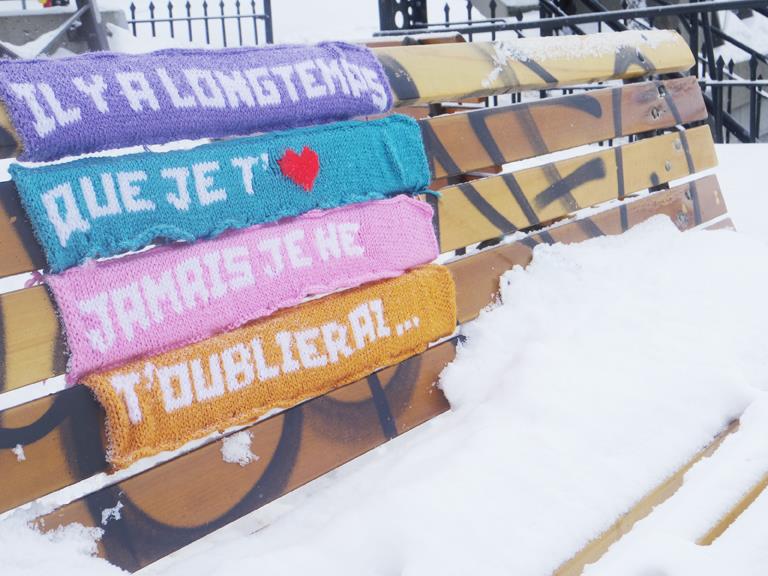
[
  {"x": 734, "y": 89},
  {"x": 84, "y": 24},
  {"x": 217, "y": 23},
  {"x": 221, "y": 24}
]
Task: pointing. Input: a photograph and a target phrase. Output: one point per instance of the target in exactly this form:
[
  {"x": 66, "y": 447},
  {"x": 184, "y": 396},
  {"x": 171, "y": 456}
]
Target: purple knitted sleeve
[{"x": 97, "y": 101}]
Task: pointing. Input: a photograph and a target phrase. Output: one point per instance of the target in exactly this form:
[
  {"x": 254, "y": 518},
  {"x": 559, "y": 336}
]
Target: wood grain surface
[
  {"x": 444, "y": 72},
  {"x": 469, "y": 141}
]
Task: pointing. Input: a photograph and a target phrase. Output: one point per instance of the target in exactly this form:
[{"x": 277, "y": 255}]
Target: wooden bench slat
[
  {"x": 461, "y": 143},
  {"x": 444, "y": 72},
  {"x": 31, "y": 339},
  {"x": 10, "y": 145},
  {"x": 732, "y": 515},
  {"x": 466, "y": 214},
  {"x": 464, "y": 142},
  {"x": 60, "y": 433},
  {"x": 490, "y": 207},
  {"x": 596, "y": 548},
  {"x": 162, "y": 508}
]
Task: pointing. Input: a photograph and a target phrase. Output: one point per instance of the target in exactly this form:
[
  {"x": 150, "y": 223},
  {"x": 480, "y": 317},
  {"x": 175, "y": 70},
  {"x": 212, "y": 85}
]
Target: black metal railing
[
  {"x": 733, "y": 90},
  {"x": 221, "y": 24},
  {"x": 84, "y": 24}
]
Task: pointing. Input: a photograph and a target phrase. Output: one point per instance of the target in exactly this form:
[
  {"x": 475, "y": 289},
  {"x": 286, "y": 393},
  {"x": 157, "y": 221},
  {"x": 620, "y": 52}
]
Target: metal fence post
[
  {"x": 91, "y": 26},
  {"x": 268, "y": 21}
]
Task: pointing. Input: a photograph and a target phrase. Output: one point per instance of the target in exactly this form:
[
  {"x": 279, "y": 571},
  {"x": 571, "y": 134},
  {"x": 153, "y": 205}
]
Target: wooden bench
[{"x": 162, "y": 510}]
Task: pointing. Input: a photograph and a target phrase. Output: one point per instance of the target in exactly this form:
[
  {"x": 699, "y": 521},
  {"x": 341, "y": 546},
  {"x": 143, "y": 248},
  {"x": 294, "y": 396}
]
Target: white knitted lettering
[
  {"x": 272, "y": 246},
  {"x": 362, "y": 325},
  {"x": 124, "y": 385},
  {"x": 204, "y": 86},
  {"x": 205, "y": 388},
  {"x": 246, "y": 165},
  {"x": 102, "y": 338},
  {"x": 137, "y": 91},
  {"x": 312, "y": 88},
  {"x": 265, "y": 89},
  {"x": 348, "y": 235},
  {"x": 284, "y": 340},
  {"x": 111, "y": 205},
  {"x": 212, "y": 262},
  {"x": 180, "y": 200},
  {"x": 356, "y": 81},
  {"x": 264, "y": 370},
  {"x": 175, "y": 386},
  {"x": 308, "y": 353},
  {"x": 63, "y": 116},
  {"x": 327, "y": 242},
  {"x": 129, "y": 309},
  {"x": 177, "y": 99},
  {"x": 332, "y": 75},
  {"x": 237, "y": 263},
  {"x": 72, "y": 220},
  {"x": 377, "y": 307},
  {"x": 94, "y": 89},
  {"x": 237, "y": 367},
  {"x": 335, "y": 338},
  {"x": 129, "y": 192},
  {"x": 296, "y": 257},
  {"x": 159, "y": 291},
  {"x": 376, "y": 88},
  {"x": 44, "y": 124},
  {"x": 189, "y": 275},
  {"x": 204, "y": 182},
  {"x": 235, "y": 88},
  {"x": 285, "y": 73}
]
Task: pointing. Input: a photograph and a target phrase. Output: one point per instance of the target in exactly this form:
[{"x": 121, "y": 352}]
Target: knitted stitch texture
[
  {"x": 92, "y": 102},
  {"x": 117, "y": 310},
  {"x": 96, "y": 207},
  {"x": 163, "y": 402}
]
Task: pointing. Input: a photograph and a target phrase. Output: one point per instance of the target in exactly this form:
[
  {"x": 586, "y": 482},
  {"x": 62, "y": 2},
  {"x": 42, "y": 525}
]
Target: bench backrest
[{"x": 184, "y": 498}]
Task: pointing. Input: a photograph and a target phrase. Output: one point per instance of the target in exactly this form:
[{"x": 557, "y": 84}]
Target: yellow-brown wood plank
[
  {"x": 444, "y": 72},
  {"x": 464, "y": 142},
  {"x": 593, "y": 551},
  {"x": 31, "y": 339},
  {"x": 61, "y": 434},
  {"x": 465, "y": 214},
  {"x": 10, "y": 144},
  {"x": 737, "y": 510},
  {"x": 19, "y": 250},
  {"x": 490, "y": 207}
]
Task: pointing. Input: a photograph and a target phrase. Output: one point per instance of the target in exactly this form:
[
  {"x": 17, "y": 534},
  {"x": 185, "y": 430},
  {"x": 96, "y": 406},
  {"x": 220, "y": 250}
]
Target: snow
[
  {"x": 665, "y": 541},
  {"x": 113, "y": 513},
  {"x": 578, "y": 47},
  {"x": 752, "y": 31},
  {"x": 18, "y": 451},
  {"x": 65, "y": 551},
  {"x": 236, "y": 449}
]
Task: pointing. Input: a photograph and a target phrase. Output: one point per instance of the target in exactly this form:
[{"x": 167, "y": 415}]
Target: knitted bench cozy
[
  {"x": 97, "y": 207},
  {"x": 92, "y": 102}
]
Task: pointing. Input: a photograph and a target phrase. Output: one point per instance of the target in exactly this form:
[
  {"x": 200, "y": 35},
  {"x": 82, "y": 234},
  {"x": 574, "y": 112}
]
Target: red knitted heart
[{"x": 301, "y": 168}]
